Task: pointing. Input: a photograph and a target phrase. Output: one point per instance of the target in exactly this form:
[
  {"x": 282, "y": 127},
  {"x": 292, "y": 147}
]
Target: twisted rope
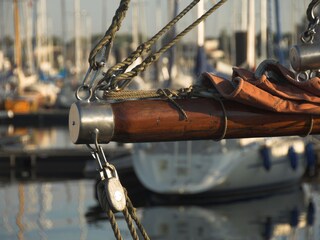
[
  {"x": 155, "y": 56},
  {"x": 114, "y": 224},
  {"x": 129, "y": 94},
  {"x": 133, "y": 214},
  {"x": 145, "y": 47},
  {"x": 110, "y": 33},
  {"x": 130, "y": 224}
]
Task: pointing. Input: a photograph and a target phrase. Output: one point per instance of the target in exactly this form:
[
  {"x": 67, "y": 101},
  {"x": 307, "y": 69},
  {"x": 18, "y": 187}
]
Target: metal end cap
[{"x": 85, "y": 118}]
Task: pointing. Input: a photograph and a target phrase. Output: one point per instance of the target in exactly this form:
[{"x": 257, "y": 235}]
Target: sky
[{"x": 96, "y": 16}]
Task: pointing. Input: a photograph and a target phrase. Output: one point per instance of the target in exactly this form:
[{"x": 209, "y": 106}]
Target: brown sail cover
[{"x": 272, "y": 87}]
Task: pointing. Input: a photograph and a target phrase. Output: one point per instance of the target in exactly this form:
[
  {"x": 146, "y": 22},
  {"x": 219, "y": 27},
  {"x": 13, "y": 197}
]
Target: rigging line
[
  {"x": 114, "y": 224},
  {"x": 147, "y": 45},
  {"x": 154, "y": 57},
  {"x": 110, "y": 33},
  {"x": 133, "y": 213}
]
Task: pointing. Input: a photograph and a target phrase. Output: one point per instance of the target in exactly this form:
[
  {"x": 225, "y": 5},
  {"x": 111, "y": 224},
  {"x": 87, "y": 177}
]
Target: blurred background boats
[
  {"x": 43, "y": 56},
  {"x": 44, "y": 46}
]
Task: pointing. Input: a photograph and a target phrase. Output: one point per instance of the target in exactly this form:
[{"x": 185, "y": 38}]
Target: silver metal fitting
[
  {"x": 86, "y": 117},
  {"x": 305, "y": 57}
]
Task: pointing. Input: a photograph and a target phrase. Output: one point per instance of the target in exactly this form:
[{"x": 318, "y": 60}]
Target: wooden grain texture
[{"x": 160, "y": 120}]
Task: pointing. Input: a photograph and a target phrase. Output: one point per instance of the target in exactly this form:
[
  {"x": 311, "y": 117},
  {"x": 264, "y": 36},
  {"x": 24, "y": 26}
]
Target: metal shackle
[
  {"x": 305, "y": 57},
  {"x": 86, "y": 117}
]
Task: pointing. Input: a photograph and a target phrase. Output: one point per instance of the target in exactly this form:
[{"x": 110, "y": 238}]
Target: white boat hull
[{"x": 193, "y": 167}]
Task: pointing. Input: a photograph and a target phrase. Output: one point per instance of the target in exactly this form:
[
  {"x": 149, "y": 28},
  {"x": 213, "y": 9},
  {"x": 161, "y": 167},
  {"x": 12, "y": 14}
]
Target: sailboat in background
[
  {"x": 225, "y": 167},
  {"x": 28, "y": 94}
]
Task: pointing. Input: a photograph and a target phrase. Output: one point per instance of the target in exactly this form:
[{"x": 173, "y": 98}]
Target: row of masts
[
  {"x": 248, "y": 24},
  {"x": 36, "y": 23},
  {"x": 31, "y": 22}
]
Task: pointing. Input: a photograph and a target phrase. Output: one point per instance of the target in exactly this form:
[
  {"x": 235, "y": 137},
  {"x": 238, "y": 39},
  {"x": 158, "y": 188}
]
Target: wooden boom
[{"x": 160, "y": 120}]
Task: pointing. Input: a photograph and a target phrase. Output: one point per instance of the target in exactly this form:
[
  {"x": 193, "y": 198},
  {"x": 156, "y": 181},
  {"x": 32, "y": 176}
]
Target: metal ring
[
  {"x": 83, "y": 88},
  {"x": 313, "y": 74},
  {"x": 302, "y": 76},
  {"x": 306, "y": 37}
]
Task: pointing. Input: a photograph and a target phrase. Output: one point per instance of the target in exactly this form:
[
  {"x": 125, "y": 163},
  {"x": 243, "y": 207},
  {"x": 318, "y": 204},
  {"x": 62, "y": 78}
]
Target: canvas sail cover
[{"x": 271, "y": 87}]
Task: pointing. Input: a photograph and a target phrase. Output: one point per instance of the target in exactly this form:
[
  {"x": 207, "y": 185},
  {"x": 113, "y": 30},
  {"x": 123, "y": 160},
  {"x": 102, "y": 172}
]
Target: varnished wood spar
[{"x": 160, "y": 120}]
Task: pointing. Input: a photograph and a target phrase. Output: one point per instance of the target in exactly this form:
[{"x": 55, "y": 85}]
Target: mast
[
  {"x": 264, "y": 28},
  {"x": 173, "y": 6},
  {"x": 17, "y": 40},
  {"x": 241, "y": 36},
  {"x": 17, "y": 43},
  {"x": 279, "y": 32},
  {"x": 2, "y": 34},
  {"x": 201, "y": 36},
  {"x": 64, "y": 30},
  {"x": 269, "y": 29},
  {"x": 244, "y": 18},
  {"x": 77, "y": 40},
  {"x": 50, "y": 42},
  {"x": 41, "y": 31},
  {"x": 201, "y": 55},
  {"x": 88, "y": 25},
  {"x": 35, "y": 31},
  {"x": 251, "y": 43},
  {"x": 135, "y": 29},
  {"x": 29, "y": 51}
]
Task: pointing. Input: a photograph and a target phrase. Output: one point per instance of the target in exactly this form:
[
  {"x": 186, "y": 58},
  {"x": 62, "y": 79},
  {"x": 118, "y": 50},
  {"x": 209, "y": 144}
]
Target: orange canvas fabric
[{"x": 272, "y": 87}]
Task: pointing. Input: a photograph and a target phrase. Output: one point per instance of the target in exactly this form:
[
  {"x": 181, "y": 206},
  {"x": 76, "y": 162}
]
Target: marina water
[
  {"x": 64, "y": 206},
  {"x": 68, "y": 210}
]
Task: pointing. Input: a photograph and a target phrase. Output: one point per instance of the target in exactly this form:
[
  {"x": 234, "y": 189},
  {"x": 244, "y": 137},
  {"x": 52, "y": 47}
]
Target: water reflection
[
  {"x": 69, "y": 210},
  {"x": 48, "y": 210},
  {"x": 285, "y": 216}
]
